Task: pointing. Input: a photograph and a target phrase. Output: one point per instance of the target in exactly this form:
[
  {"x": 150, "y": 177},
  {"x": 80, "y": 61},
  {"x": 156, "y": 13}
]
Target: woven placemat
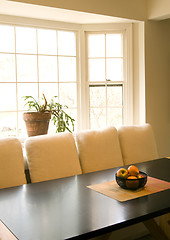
[
  {"x": 5, "y": 233},
  {"x": 112, "y": 189}
]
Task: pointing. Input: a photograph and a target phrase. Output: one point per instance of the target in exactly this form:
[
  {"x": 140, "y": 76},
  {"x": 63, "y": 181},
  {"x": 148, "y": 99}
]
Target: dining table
[{"x": 67, "y": 208}]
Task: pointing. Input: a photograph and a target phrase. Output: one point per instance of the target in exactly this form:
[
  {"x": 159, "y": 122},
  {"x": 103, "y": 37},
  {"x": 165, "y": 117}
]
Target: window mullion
[
  {"x": 38, "y": 80},
  {"x": 16, "y": 82},
  {"x": 57, "y": 66},
  {"x": 106, "y": 80}
]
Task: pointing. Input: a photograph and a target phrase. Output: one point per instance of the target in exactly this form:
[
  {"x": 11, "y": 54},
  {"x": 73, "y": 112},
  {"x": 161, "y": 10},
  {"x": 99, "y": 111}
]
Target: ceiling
[{"x": 54, "y": 14}]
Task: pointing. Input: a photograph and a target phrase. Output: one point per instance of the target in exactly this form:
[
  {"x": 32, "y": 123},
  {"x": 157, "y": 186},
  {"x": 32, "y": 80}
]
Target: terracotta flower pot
[{"x": 37, "y": 123}]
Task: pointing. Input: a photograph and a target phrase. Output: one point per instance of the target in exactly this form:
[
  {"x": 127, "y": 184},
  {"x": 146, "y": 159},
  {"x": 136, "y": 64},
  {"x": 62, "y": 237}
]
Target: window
[
  {"x": 105, "y": 79},
  {"x": 109, "y": 76},
  {"x": 34, "y": 61},
  {"x": 93, "y": 80}
]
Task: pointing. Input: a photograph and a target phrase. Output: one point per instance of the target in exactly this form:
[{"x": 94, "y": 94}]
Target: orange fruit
[
  {"x": 133, "y": 170},
  {"x": 133, "y": 183}
]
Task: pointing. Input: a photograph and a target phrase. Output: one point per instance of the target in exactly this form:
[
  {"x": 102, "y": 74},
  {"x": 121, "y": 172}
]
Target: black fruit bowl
[{"x": 132, "y": 183}]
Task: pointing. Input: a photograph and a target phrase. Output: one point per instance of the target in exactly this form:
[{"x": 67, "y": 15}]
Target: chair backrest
[
  {"x": 99, "y": 149},
  {"x": 52, "y": 156},
  {"x": 137, "y": 143},
  {"x": 11, "y": 163}
]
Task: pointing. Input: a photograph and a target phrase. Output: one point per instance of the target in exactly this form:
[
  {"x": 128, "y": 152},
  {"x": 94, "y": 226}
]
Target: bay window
[{"x": 37, "y": 60}]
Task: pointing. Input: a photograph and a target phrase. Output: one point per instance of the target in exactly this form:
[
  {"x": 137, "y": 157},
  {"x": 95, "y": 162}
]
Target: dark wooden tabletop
[{"x": 67, "y": 209}]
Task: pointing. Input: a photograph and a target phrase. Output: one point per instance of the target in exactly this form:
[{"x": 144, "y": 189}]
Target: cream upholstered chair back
[
  {"x": 12, "y": 171},
  {"x": 99, "y": 149},
  {"x": 137, "y": 143},
  {"x": 52, "y": 156}
]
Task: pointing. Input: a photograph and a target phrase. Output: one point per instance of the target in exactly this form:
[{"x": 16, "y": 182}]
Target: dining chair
[
  {"x": 164, "y": 222},
  {"x": 99, "y": 149},
  {"x": 52, "y": 156},
  {"x": 137, "y": 143},
  {"x": 11, "y": 163}
]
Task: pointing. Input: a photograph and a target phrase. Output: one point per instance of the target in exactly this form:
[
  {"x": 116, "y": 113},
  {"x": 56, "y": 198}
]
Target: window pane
[
  {"x": 96, "y": 45},
  {"x": 26, "y": 40},
  {"x": 7, "y": 68},
  {"x": 68, "y": 94},
  {"x": 51, "y": 128},
  {"x": 22, "y": 132},
  {"x": 47, "y": 42},
  {"x": 114, "y": 69},
  {"x": 97, "y": 96},
  {"x": 8, "y": 124},
  {"x": 26, "y": 89},
  {"x": 114, "y": 117},
  {"x": 26, "y": 68},
  {"x": 49, "y": 89},
  {"x": 97, "y": 118},
  {"x": 48, "y": 69},
  {"x": 114, "y": 96},
  {"x": 96, "y": 70},
  {"x": 67, "y": 69},
  {"x": 7, "y": 40},
  {"x": 114, "y": 45},
  {"x": 66, "y": 43},
  {"x": 7, "y": 97}
]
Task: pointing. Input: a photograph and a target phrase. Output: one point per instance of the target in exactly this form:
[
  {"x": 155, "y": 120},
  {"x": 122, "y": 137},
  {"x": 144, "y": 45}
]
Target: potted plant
[{"x": 37, "y": 121}]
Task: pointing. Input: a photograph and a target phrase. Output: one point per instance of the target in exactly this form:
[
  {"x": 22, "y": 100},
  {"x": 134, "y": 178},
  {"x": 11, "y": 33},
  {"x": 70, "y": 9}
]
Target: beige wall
[
  {"x": 131, "y": 9},
  {"x": 158, "y": 9},
  {"x": 157, "y": 68}
]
